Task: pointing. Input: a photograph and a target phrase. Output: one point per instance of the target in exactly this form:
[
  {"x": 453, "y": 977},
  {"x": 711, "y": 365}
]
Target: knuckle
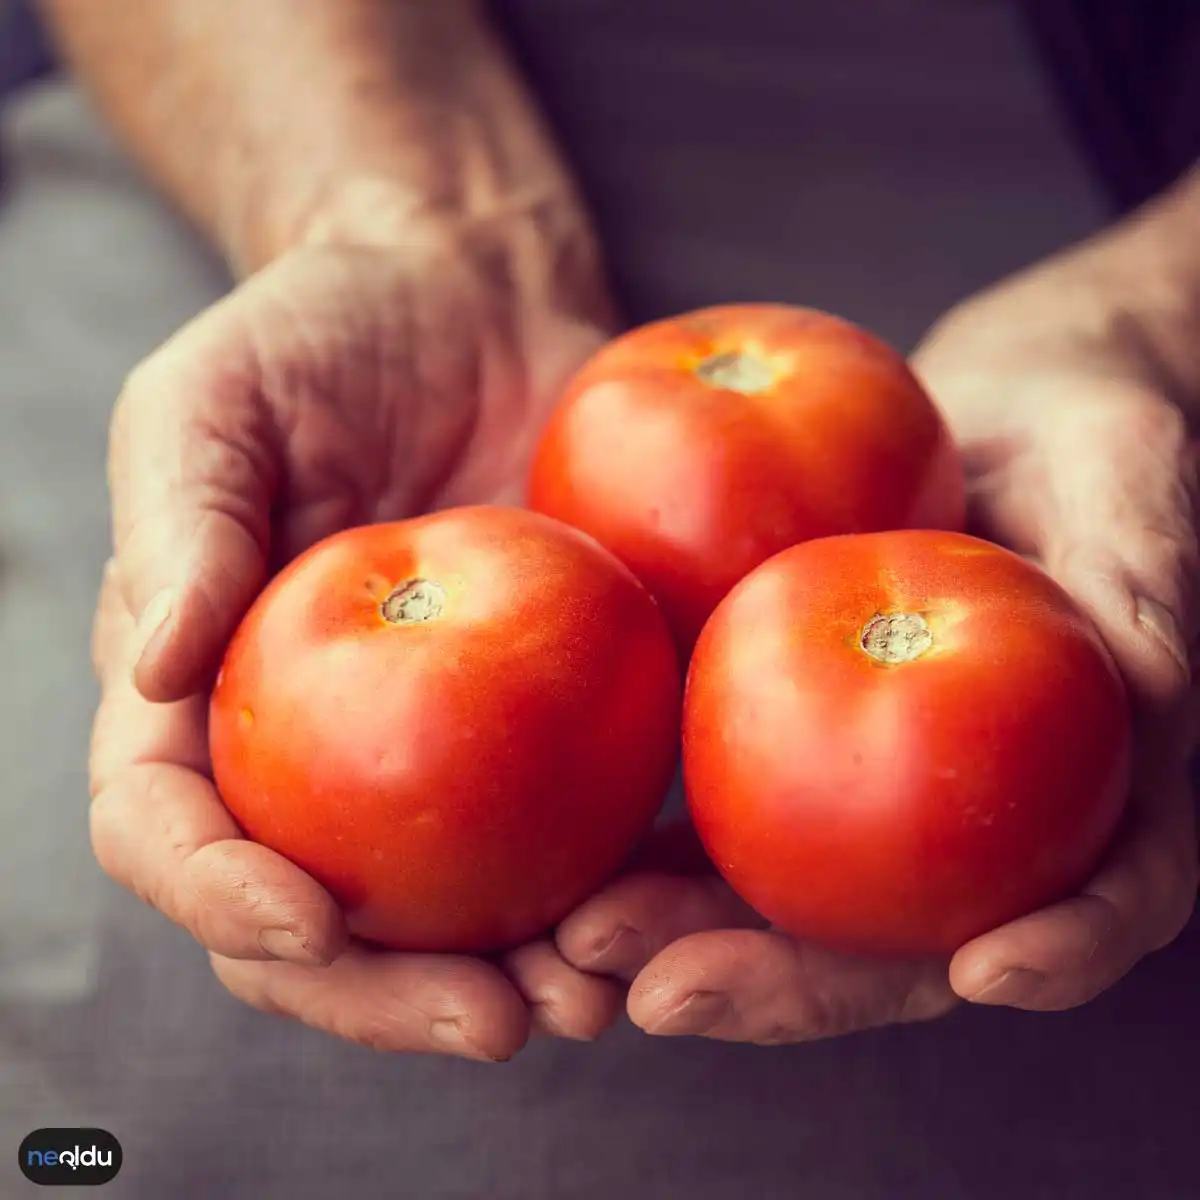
[
  {"x": 370, "y": 1025},
  {"x": 820, "y": 1017},
  {"x": 136, "y": 389},
  {"x": 107, "y": 836},
  {"x": 99, "y": 781},
  {"x": 141, "y": 381},
  {"x": 808, "y": 1019},
  {"x": 377, "y": 1035},
  {"x": 779, "y": 1033},
  {"x": 139, "y": 842},
  {"x": 229, "y": 882},
  {"x": 558, "y": 1000},
  {"x": 525, "y": 960},
  {"x": 217, "y": 868},
  {"x": 100, "y": 766},
  {"x": 105, "y": 638},
  {"x": 106, "y": 828}
]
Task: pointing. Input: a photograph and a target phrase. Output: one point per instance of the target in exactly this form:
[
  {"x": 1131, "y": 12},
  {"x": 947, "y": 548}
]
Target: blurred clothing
[
  {"x": 24, "y": 53},
  {"x": 1128, "y": 75}
]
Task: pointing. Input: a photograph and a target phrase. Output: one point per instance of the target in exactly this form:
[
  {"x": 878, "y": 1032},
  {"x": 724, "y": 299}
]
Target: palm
[
  {"x": 1076, "y": 456},
  {"x": 1060, "y": 427},
  {"x": 337, "y": 387},
  {"x": 364, "y": 380}
]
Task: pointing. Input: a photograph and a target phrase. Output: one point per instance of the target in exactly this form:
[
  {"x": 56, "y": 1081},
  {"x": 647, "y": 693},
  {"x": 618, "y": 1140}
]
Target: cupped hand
[
  {"x": 343, "y": 384},
  {"x": 1069, "y": 390}
]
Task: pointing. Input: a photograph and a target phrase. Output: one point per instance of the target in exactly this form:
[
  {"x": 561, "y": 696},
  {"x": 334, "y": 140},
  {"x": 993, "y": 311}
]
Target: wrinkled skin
[
  {"x": 1068, "y": 392},
  {"x": 338, "y": 386}
]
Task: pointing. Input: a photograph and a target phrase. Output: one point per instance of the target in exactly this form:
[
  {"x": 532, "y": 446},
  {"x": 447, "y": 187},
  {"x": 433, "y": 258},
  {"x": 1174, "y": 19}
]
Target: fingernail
[
  {"x": 284, "y": 945},
  {"x": 1017, "y": 986},
  {"x": 154, "y": 616},
  {"x": 1157, "y": 620},
  {"x": 545, "y": 1023},
  {"x": 447, "y": 1035},
  {"x": 624, "y": 946},
  {"x": 698, "y": 1013}
]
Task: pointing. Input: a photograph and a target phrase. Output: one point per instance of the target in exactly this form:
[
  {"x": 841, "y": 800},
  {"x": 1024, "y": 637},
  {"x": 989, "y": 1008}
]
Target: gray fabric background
[{"x": 880, "y": 158}]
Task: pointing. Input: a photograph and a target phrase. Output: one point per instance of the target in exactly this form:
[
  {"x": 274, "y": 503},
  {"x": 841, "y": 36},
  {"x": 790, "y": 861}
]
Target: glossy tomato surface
[
  {"x": 896, "y": 742},
  {"x": 697, "y": 447},
  {"x": 459, "y": 724}
]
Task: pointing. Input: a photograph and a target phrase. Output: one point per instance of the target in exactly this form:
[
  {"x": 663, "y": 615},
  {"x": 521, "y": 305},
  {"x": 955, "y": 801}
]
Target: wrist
[
  {"x": 1151, "y": 264},
  {"x": 538, "y": 244},
  {"x": 395, "y": 115},
  {"x": 538, "y": 239}
]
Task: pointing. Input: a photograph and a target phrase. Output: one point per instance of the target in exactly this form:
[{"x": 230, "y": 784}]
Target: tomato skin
[
  {"x": 903, "y": 807},
  {"x": 458, "y": 784},
  {"x": 693, "y": 485}
]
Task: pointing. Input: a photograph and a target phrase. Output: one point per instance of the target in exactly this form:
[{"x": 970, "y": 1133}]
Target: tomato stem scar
[
  {"x": 414, "y": 601},
  {"x": 896, "y": 637},
  {"x": 735, "y": 371}
]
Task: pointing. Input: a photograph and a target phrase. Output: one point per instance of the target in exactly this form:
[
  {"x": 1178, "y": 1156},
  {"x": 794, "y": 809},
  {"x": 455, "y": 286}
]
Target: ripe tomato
[
  {"x": 459, "y": 724},
  {"x": 895, "y": 742},
  {"x": 695, "y": 448}
]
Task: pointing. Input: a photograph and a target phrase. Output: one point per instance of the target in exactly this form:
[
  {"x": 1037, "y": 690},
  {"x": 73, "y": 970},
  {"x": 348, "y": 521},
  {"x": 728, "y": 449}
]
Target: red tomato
[
  {"x": 895, "y": 742},
  {"x": 695, "y": 448},
  {"x": 459, "y": 724}
]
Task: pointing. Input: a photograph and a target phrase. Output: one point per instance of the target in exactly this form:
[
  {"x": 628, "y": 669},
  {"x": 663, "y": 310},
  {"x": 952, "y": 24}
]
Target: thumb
[
  {"x": 1114, "y": 523},
  {"x": 192, "y": 476},
  {"x": 1116, "y": 527}
]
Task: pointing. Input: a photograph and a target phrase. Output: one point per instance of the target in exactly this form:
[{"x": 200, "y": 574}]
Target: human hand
[
  {"x": 343, "y": 384},
  {"x": 1067, "y": 389}
]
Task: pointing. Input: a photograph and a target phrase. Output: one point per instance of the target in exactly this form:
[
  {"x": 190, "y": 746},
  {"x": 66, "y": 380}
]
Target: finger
[
  {"x": 192, "y": 476},
  {"x": 1117, "y": 528},
  {"x": 159, "y": 829},
  {"x": 622, "y": 928},
  {"x": 563, "y": 1002},
  {"x": 417, "y": 1003},
  {"x": 763, "y": 987},
  {"x": 112, "y": 625},
  {"x": 1116, "y": 525},
  {"x": 1069, "y": 953},
  {"x": 1138, "y": 597},
  {"x": 128, "y": 730}
]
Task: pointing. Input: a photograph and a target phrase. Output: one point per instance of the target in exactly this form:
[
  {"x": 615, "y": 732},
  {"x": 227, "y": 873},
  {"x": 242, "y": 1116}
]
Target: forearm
[{"x": 268, "y": 122}]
